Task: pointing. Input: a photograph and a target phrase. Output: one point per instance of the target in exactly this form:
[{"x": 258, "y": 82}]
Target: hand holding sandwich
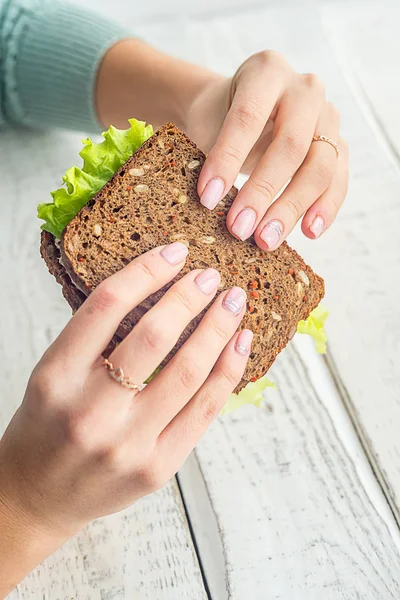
[
  {"x": 68, "y": 455},
  {"x": 266, "y": 121}
]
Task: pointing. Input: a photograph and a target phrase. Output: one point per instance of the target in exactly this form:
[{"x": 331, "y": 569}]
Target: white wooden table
[{"x": 300, "y": 499}]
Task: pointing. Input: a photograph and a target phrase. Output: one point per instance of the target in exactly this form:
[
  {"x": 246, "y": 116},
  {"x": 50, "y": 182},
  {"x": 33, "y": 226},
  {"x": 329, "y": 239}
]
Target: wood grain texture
[
  {"x": 145, "y": 552},
  {"x": 296, "y": 512},
  {"x": 366, "y": 43}
]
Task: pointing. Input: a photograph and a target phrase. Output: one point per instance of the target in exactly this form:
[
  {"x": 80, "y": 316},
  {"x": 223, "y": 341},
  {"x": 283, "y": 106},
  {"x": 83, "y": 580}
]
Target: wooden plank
[
  {"x": 145, "y": 552},
  {"x": 296, "y": 511},
  {"x": 366, "y": 41}
]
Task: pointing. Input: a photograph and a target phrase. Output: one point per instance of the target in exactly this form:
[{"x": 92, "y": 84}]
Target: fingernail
[
  {"x": 235, "y": 300},
  {"x": 208, "y": 281},
  {"x": 317, "y": 226},
  {"x": 244, "y": 223},
  {"x": 212, "y": 193},
  {"x": 272, "y": 233},
  {"x": 175, "y": 253},
  {"x": 243, "y": 342}
]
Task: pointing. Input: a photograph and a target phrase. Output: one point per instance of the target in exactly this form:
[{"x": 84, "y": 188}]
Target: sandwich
[{"x": 137, "y": 190}]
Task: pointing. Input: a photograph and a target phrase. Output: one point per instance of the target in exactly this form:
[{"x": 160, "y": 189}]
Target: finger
[
  {"x": 94, "y": 324},
  {"x": 294, "y": 128},
  {"x": 323, "y": 212},
  {"x": 157, "y": 332},
  {"x": 177, "y": 383},
  {"x": 311, "y": 180},
  {"x": 181, "y": 435},
  {"x": 253, "y": 101}
]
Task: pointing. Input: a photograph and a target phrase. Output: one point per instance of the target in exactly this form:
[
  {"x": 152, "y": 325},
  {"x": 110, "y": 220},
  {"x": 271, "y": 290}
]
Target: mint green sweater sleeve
[{"x": 50, "y": 52}]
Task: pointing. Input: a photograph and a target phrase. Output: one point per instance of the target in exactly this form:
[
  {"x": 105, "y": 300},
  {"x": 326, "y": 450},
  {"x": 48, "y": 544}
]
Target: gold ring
[
  {"x": 119, "y": 376},
  {"x": 328, "y": 140}
]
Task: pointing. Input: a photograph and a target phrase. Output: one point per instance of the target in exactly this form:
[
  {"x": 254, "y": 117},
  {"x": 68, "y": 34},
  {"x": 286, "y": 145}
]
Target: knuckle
[
  {"x": 248, "y": 115},
  {"x": 210, "y": 406},
  {"x": 75, "y": 430},
  {"x": 219, "y": 331},
  {"x": 229, "y": 153},
  {"x": 295, "y": 207},
  {"x": 47, "y": 387},
  {"x": 264, "y": 188},
  {"x": 314, "y": 83},
  {"x": 151, "y": 474},
  {"x": 103, "y": 298},
  {"x": 154, "y": 334},
  {"x": 179, "y": 295},
  {"x": 230, "y": 376},
  {"x": 295, "y": 145},
  {"x": 188, "y": 373},
  {"x": 268, "y": 57},
  {"x": 143, "y": 268},
  {"x": 324, "y": 168}
]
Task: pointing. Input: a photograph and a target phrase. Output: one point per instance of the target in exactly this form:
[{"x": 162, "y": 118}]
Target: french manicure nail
[
  {"x": 208, "y": 281},
  {"x": 175, "y": 253},
  {"x": 244, "y": 223},
  {"x": 317, "y": 226},
  {"x": 243, "y": 342},
  {"x": 235, "y": 300},
  {"x": 212, "y": 193},
  {"x": 272, "y": 233}
]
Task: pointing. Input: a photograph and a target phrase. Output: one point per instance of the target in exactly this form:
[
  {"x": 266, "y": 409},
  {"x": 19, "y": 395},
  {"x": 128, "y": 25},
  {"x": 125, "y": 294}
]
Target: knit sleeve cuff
[{"x": 51, "y": 72}]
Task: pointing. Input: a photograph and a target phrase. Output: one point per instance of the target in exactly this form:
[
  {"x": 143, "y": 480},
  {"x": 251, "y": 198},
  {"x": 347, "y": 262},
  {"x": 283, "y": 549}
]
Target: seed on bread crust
[
  {"x": 303, "y": 277},
  {"x": 97, "y": 230},
  {"x": 275, "y": 316},
  {"x": 193, "y": 164},
  {"x": 300, "y": 290},
  {"x": 207, "y": 239},
  {"x": 136, "y": 172},
  {"x": 142, "y": 187},
  {"x": 182, "y": 199}
]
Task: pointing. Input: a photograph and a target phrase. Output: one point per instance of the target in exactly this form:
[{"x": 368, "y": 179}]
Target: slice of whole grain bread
[{"x": 152, "y": 200}]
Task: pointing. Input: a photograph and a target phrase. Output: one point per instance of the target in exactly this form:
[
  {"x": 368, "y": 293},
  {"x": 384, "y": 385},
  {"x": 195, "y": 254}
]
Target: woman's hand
[
  {"x": 262, "y": 122},
  {"x": 82, "y": 445}
]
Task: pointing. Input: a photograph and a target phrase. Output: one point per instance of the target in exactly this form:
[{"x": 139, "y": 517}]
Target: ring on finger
[
  {"x": 328, "y": 140},
  {"x": 118, "y": 375}
]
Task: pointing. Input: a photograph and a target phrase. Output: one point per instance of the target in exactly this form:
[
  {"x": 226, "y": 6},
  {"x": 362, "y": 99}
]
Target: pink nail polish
[
  {"x": 208, "y": 281},
  {"x": 212, "y": 193},
  {"x": 244, "y": 223},
  {"x": 243, "y": 342},
  {"x": 175, "y": 253},
  {"x": 271, "y": 233},
  {"x": 235, "y": 300},
  {"x": 317, "y": 226}
]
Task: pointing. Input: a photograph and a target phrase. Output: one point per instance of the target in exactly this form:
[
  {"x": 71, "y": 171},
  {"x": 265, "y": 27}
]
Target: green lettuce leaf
[
  {"x": 251, "y": 394},
  {"x": 153, "y": 374},
  {"x": 100, "y": 162},
  {"x": 315, "y": 326}
]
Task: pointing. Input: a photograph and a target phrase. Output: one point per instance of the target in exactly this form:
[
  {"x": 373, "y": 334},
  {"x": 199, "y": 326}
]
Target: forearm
[
  {"x": 50, "y": 56},
  {"x": 136, "y": 80}
]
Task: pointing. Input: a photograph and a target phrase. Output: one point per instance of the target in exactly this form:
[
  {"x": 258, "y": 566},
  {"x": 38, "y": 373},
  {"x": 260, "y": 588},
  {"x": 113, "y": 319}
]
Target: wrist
[
  {"x": 24, "y": 544},
  {"x": 135, "y": 80},
  {"x": 26, "y": 538}
]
